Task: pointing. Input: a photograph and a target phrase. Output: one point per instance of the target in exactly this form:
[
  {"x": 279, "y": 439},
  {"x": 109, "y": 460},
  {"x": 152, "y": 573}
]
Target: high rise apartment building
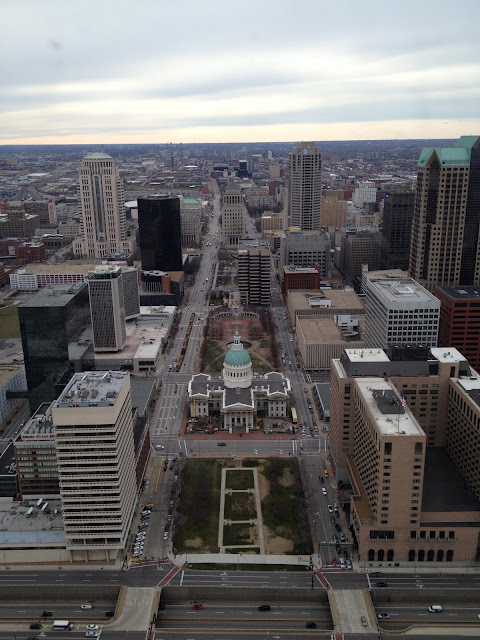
[
  {"x": 404, "y": 436},
  {"x": 254, "y": 273},
  {"x": 233, "y": 215},
  {"x": 96, "y": 463},
  {"x": 107, "y": 308},
  {"x": 102, "y": 202},
  {"x": 305, "y": 186},
  {"x": 398, "y": 311},
  {"x": 460, "y": 321},
  {"x": 445, "y": 244},
  {"x": 160, "y": 233},
  {"x": 397, "y": 229}
]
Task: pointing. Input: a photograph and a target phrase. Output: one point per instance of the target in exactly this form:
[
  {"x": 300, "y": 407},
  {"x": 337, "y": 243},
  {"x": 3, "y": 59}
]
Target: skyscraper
[
  {"x": 96, "y": 463},
  {"x": 102, "y": 202},
  {"x": 445, "y": 244},
  {"x": 397, "y": 229},
  {"x": 49, "y": 320},
  {"x": 305, "y": 186},
  {"x": 233, "y": 215},
  {"x": 254, "y": 272},
  {"x": 107, "y": 308},
  {"x": 160, "y": 233}
]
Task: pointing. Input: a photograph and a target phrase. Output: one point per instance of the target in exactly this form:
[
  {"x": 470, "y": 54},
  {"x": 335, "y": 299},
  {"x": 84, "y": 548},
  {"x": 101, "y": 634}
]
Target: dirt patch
[
  {"x": 287, "y": 479},
  {"x": 276, "y": 545}
]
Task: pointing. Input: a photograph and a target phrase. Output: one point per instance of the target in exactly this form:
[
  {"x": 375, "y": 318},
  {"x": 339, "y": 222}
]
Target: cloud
[{"x": 190, "y": 67}]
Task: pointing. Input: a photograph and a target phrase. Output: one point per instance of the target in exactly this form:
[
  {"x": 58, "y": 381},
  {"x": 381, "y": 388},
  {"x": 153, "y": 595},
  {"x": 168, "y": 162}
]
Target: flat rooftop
[
  {"x": 447, "y": 354},
  {"x": 93, "y": 388},
  {"x": 397, "y": 424},
  {"x": 323, "y": 329},
  {"x": 444, "y": 488},
  {"x": 366, "y": 355},
  {"x": 404, "y": 290},
  {"x": 58, "y": 295},
  {"x": 25, "y": 523},
  {"x": 339, "y": 299},
  {"x": 462, "y": 293},
  {"x": 385, "y": 274}
]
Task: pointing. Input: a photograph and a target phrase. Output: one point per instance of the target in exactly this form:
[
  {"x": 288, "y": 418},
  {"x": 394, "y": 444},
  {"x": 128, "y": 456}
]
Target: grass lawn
[
  {"x": 240, "y": 506},
  {"x": 283, "y": 509},
  {"x": 212, "y": 351},
  {"x": 9, "y": 324},
  {"x": 259, "y": 366},
  {"x": 198, "y": 511},
  {"x": 239, "y": 479},
  {"x": 237, "y": 534}
]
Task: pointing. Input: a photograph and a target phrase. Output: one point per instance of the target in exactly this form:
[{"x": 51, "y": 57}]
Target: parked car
[{"x": 330, "y": 508}]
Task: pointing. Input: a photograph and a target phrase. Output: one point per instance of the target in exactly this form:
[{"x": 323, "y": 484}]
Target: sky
[{"x": 159, "y": 71}]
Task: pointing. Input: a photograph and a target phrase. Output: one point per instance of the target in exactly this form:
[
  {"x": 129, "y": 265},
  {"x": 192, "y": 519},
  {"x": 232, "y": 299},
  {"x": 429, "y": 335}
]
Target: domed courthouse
[{"x": 238, "y": 397}]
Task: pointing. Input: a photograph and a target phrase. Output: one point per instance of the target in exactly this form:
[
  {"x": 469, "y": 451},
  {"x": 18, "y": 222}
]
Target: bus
[{"x": 294, "y": 415}]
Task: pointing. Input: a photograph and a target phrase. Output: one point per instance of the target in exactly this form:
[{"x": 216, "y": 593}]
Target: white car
[
  {"x": 324, "y": 491},
  {"x": 159, "y": 446},
  {"x": 92, "y": 634},
  {"x": 93, "y": 627},
  {"x": 330, "y": 508},
  {"x": 86, "y": 605},
  {"x": 165, "y": 535}
]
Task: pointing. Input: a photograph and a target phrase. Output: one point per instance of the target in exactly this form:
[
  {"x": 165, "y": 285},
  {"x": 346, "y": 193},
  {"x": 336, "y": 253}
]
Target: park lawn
[
  {"x": 283, "y": 508},
  {"x": 196, "y": 529},
  {"x": 238, "y": 534},
  {"x": 239, "y": 479},
  {"x": 240, "y": 506}
]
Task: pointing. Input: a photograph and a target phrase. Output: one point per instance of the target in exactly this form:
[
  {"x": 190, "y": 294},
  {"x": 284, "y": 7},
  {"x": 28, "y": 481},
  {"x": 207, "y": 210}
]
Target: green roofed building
[
  {"x": 238, "y": 398},
  {"x": 445, "y": 243}
]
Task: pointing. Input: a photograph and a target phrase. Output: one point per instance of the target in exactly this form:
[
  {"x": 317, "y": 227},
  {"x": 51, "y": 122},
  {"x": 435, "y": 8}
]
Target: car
[
  {"x": 87, "y": 605},
  {"x": 338, "y": 548},
  {"x": 383, "y": 616},
  {"x": 159, "y": 446},
  {"x": 321, "y": 479},
  {"x": 330, "y": 508},
  {"x": 197, "y": 607},
  {"x": 342, "y": 536},
  {"x": 337, "y": 526},
  {"x": 364, "y": 621},
  {"x": 264, "y": 607},
  {"x": 47, "y": 614},
  {"x": 376, "y": 574},
  {"x": 167, "y": 527},
  {"x": 348, "y": 564},
  {"x": 325, "y": 473},
  {"x": 109, "y": 614},
  {"x": 324, "y": 491},
  {"x": 92, "y": 634},
  {"x": 35, "y": 625},
  {"x": 332, "y": 518},
  {"x": 334, "y": 561},
  {"x": 311, "y": 625},
  {"x": 93, "y": 627},
  {"x": 221, "y": 444},
  {"x": 381, "y": 584},
  {"x": 165, "y": 535},
  {"x": 150, "y": 505},
  {"x": 143, "y": 525}
]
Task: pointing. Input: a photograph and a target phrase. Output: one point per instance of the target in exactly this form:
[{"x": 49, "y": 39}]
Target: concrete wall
[{"x": 172, "y": 595}]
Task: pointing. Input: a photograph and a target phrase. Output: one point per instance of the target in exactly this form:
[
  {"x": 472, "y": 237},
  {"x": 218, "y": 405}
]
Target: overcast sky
[{"x": 116, "y": 71}]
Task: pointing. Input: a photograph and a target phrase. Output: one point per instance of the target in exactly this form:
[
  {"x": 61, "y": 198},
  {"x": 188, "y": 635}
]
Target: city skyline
[{"x": 227, "y": 74}]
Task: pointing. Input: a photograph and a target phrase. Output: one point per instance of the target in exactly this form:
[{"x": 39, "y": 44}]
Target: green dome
[{"x": 237, "y": 357}]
